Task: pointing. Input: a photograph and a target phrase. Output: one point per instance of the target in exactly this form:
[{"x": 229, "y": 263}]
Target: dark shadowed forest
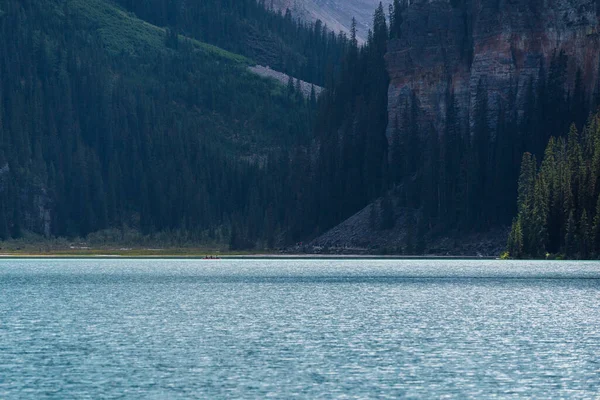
[{"x": 143, "y": 115}]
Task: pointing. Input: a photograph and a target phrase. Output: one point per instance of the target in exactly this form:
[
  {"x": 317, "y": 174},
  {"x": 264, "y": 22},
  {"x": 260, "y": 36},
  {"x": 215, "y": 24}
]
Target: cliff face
[{"x": 452, "y": 45}]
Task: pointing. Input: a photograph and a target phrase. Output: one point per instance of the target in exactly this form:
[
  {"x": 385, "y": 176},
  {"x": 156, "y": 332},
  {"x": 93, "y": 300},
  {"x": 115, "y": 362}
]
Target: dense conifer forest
[
  {"x": 462, "y": 179},
  {"x": 125, "y": 114},
  {"x": 107, "y": 121},
  {"x": 559, "y": 200},
  {"x": 310, "y": 52}
]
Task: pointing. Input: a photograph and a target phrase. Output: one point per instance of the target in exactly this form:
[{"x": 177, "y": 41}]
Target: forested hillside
[
  {"x": 307, "y": 51},
  {"x": 352, "y": 165},
  {"x": 119, "y": 114},
  {"x": 107, "y": 121},
  {"x": 457, "y": 176}
]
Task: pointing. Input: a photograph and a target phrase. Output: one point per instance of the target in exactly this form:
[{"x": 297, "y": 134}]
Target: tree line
[
  {"x": 308, "y": 51},
  {"x": 559, "y": 200}
]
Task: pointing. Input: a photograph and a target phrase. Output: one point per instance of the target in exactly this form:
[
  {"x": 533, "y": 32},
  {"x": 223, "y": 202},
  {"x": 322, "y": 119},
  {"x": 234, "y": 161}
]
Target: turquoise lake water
[{"x": 154, "y": 329}]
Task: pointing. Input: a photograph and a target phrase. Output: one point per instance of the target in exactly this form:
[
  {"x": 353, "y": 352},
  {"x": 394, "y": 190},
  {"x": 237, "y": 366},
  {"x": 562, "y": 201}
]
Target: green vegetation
[
  {"x": 107, "y": 121},
  {"x": 122, "y": 32},
  {"x": 351, "y": 166},
  {"x": 460, "y": 179},
  {"x": 117, "y": 116},
  {"x": 307, "y": 51},
  {"x": 559, "y": 202},
  {"x": 113, "y": 242},
  {"x": 118, "y": 30}
]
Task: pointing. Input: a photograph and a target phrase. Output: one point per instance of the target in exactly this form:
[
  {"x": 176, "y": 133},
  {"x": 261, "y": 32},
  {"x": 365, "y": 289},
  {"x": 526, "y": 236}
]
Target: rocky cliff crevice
[{"x": 452, "y": 45}]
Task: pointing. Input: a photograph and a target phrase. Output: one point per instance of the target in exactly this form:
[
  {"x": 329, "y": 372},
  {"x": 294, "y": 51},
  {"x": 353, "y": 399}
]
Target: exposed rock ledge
[
  {"x": 356, "y": 235},
  {"x": 267, "y": 72}
]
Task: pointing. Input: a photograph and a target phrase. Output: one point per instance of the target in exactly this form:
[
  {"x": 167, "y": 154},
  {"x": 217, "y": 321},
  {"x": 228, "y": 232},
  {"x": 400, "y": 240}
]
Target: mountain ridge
[{"x": 336, "y": 14}]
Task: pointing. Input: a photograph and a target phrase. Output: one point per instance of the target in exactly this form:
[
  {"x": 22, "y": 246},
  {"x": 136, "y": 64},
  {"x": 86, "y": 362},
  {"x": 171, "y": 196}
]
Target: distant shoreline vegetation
[{"x": 123, "y": 124}]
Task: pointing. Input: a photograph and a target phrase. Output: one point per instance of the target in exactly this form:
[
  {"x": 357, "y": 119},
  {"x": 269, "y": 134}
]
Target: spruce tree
[
  {"x": 291, "y": 88},
  {"x": 396, "y": 20},
  {"x": 515, "y": 240},
  {"x": 4, "y": 231},
  {"x": 409, "y": 237},
  {"x": 539, "y": 219},
  {"x": 571, "y": 237},
  {"x": 585, "y": 236},
  {"x": 596, "y": 229}
]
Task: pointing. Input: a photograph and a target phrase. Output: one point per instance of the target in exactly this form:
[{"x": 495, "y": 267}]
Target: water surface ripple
[{"x": 142, "y": 329}]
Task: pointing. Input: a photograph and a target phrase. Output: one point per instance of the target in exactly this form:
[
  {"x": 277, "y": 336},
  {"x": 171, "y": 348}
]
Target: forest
[
  {"x": 143, "y": 115},
  {"x": 559, "y": 200},
  {"x": 310, "y": 52},
  {"x": 458, "y": 180},
  {"x": 128, "y": 125}
]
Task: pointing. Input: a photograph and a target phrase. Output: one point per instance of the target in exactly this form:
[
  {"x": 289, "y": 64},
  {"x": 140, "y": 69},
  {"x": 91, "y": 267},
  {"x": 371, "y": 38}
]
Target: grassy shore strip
[{"x": 203, "y": 255}]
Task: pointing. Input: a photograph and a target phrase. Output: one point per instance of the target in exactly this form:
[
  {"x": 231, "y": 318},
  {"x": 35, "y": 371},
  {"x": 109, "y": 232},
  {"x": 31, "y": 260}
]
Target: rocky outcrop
[
  {"x": 305, "y": 87},
  {"x": 359, "y": 235},
  {"x": 452, "y": 45},
  {"x": 336, "y": 14}
]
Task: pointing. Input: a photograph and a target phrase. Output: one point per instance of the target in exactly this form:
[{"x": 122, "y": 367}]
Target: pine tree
[
  {"x": 515, "y": 240},
  {"x": 578, "y": 104},
  {"x": 396, "y": 20},
  {"x": 539, "y": 219},
  {"x": 574, "y": 165},
  {"x": 353, "y": 39},
  {"x": 291, "y": 88},
  {"x": 4, "y": 231},
  {"x": 298, "y": 90},
  {"x": 172, "y": 39},
  {"x": 526, "y": 182},
  {"x": 420, "y": 241},
  {"x": 585, "y": 236},
  {"x": 380, "y": 30},
  {"x": 409, "y": 237},
  {"x": 313, "y": 97},
  {"x": 596, "y": 229},
  {"x": 571, "y": 237},
  {"x": 525, "y": 202}
]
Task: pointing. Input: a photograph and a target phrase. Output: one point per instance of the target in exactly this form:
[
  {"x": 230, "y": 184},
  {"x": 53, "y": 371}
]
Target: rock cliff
[
  {"x": 336, "y": 14},
  {"x": 452, "y": 45}
]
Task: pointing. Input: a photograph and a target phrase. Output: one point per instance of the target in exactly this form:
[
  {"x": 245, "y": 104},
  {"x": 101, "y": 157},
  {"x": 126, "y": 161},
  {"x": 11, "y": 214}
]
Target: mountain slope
[
  {"x": 473, "y": 84},
  {"x": 107, "y": 121},
  {"x": 336, "y": 14},
  {"x": 246, "y": 27}
]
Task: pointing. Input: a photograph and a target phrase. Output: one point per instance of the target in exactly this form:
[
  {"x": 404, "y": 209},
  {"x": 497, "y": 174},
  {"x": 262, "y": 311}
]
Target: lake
[{"x": 139, "y": 329}]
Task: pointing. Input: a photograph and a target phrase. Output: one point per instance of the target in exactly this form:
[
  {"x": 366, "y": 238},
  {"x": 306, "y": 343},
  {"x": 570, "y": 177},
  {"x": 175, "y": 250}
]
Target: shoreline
[{"x": 203, "y": 257}]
